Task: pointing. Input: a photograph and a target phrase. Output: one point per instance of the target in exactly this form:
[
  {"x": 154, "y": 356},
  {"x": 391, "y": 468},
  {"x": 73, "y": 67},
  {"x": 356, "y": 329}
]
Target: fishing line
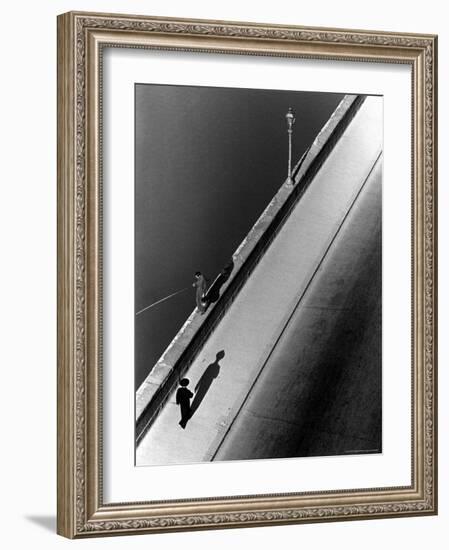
[{"x": 162, "y": 300}]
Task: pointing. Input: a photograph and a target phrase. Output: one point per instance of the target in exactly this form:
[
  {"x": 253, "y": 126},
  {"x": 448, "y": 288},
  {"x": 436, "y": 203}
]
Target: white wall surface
[{"x": 28, "y": 272}]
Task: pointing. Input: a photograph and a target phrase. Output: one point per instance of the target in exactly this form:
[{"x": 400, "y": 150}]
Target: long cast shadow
[
  {"x": 213, "y": 293},
  {"x": 204, "y": 383}
]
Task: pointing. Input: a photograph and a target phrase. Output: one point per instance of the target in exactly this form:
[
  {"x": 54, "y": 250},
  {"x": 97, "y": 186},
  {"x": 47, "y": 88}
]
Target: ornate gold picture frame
[{"x": 83, "y": 510}]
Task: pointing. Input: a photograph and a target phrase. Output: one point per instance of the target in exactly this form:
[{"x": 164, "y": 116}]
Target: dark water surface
[{"x": 208, "y": 161}]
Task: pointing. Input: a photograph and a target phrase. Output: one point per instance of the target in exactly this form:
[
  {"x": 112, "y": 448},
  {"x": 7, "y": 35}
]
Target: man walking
[{"x": 183, "y": 396}]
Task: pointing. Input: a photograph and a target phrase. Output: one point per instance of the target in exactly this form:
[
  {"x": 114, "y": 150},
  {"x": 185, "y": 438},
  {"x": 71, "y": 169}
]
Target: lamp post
[{"x": 290, "y": 121}]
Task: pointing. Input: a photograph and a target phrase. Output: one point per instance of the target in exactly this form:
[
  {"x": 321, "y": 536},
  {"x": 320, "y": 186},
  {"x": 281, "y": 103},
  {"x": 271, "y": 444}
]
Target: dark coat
[{"x": 183, "y": 395}]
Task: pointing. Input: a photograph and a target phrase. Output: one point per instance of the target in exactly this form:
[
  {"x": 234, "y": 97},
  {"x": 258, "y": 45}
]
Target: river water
[{"x": 207, "y": 162}]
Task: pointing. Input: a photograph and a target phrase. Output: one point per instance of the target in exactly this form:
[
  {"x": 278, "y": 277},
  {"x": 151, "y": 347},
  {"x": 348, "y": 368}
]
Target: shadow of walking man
[{"x": 205, "y": 382}]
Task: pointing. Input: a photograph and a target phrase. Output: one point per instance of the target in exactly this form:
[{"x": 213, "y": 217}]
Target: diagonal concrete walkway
[
  {"x": 258, "y": 315},
  {"x": 319, "y": 392}
]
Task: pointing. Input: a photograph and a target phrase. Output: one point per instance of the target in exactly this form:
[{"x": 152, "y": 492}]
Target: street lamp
[{"x": 290, "y": 121}]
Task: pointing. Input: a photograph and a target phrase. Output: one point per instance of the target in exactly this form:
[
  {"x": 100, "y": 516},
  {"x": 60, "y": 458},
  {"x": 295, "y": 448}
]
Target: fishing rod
[
  {"x": 162, "y": 300},
  {"x": 170, "y": 296}
]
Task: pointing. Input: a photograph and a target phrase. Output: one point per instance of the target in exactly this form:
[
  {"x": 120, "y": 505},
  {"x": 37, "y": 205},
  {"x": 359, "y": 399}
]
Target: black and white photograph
[
  {"x": 258, "y": 274},
  {"x": 224, "y": 261}
]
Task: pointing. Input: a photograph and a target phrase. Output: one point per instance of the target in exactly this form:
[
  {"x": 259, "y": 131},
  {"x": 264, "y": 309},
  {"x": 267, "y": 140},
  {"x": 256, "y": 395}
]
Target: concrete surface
[{"x": 319, "y": 392}]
